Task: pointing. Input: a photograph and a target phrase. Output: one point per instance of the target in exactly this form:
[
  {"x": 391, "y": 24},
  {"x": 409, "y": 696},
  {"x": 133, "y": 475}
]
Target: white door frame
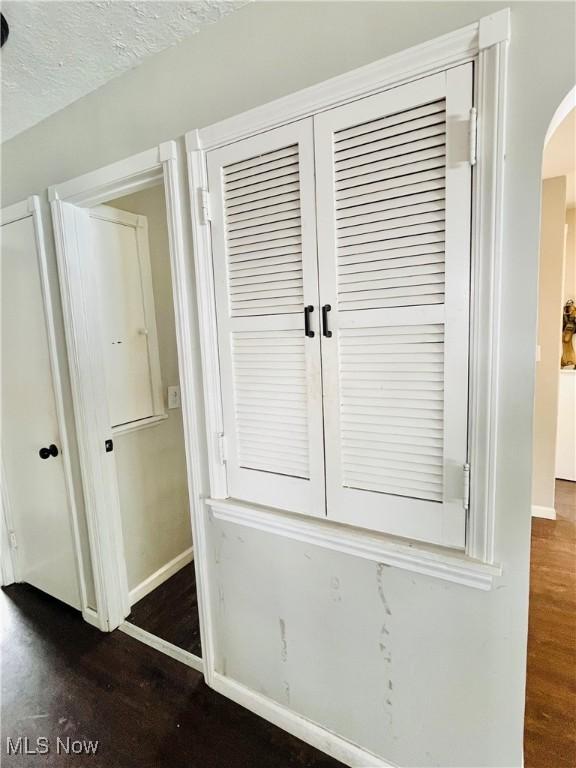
[
  {"x": 30, "y": 208},
  {"x": 160, "y": 164},
  {"x": 9, "y": 565}
]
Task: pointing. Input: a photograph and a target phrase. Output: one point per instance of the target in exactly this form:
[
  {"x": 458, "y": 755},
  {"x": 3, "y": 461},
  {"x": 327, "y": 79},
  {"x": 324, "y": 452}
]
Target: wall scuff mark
[
  {"x": 335, "y": 589},
  {"x": 283, "y": 642},
  {"x": 380, "y": 581}
]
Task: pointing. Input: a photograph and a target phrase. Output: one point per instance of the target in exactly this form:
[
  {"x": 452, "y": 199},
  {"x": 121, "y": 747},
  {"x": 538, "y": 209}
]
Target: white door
[
  {"x": 38, "y": 511},
  {"x": 393, "y": 184},
  {"x": 266, "y": 274}
]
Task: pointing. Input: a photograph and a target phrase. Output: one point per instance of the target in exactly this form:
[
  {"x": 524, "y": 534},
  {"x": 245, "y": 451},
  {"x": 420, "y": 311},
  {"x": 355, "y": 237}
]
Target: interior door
[
  {"x": 266, "y": 283},
  {"x": 393, "y": 183},
  {"x": 39, "y": 513}
]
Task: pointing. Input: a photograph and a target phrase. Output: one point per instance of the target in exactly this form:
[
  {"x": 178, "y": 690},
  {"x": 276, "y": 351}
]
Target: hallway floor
[
  {"x": 161, "y": 614},
  {"x": 63, "y": 678},
  {"x": 550, "y": 724}
]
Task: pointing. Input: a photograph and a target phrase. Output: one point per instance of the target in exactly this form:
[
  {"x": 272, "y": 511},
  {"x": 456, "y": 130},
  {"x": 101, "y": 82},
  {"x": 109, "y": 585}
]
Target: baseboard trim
[
  {"x": 304, "y": 729},
  {"x": 91, "y": 617},
  {"x": 548, "y": 513},
  {"x": 185, "y": 657},
  {"x": 161, "y": 575}
]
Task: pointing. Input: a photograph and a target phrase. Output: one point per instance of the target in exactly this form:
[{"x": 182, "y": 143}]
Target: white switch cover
[{"x": 173, "y": 397}]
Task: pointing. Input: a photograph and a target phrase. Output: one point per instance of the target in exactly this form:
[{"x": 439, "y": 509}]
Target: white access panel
[
  {"x": 119, "y": 249},
  {"x": 35, "y": 492}
]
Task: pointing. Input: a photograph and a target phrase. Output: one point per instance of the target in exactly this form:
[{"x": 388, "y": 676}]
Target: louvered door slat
[
  {"x": 272, "y": 214},
  {"x": 265, "y": 268},
  {"x": 394, "y": 267},
  {"x": 384, "y": 122},
  {"x": 246, "y": 167},
  {"x": 399, "y": 196}
]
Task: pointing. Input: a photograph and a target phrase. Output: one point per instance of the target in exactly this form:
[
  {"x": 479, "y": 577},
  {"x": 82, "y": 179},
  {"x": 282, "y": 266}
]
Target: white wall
[
  {"x": 151, "y": 462},
  {"x": 551, "y": 278},
  {"x": 456, "y": 657},
  {"x": 570, "y": 260}
]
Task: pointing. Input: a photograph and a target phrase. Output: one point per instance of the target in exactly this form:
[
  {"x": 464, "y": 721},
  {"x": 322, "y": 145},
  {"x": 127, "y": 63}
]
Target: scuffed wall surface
[
  {"x": 398, "y": 662},
  {"x": 457, "y": 655}
]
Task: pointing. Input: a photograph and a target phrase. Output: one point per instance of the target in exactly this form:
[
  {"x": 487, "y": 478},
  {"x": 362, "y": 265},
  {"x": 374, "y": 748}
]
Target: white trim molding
[
  {"x": 161, "y": 575},
  {"x": 487, "y": 215},
  {"x": 122, "y": 178},
  {"x": 91, "y": 617},
  {"x": 429, "y": 560},
  {"x": 9, "y": 569},
  {"x": 297, "y": 725},
  {"x": 547, "y": 513},
  {"x": 168, "y": 649},
  {"x": 135, "y": 426}
]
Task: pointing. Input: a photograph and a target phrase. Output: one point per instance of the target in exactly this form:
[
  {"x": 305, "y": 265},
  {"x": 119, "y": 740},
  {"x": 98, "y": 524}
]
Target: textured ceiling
[
  {"x": 59, "y": 51},
  {"x": 560, "y": 156}
]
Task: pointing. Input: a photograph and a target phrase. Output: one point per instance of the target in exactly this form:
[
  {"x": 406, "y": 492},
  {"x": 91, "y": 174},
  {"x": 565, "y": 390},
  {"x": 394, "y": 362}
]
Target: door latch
[{"x": 109, "y": 446}]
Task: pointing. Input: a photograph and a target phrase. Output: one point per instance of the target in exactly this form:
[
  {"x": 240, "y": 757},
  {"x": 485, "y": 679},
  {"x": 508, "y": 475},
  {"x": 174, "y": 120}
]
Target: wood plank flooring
[
  {"x": 61, "y": 677},
  {"x": 171, "y": 611},
  {"x": 550, "y": 723}
]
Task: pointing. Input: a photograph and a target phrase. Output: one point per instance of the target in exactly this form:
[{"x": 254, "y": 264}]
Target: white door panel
[
  {"x": 393, "y": 188},
  {"x": 266, "y": 273},
  {"x": 36, "y": 487}
]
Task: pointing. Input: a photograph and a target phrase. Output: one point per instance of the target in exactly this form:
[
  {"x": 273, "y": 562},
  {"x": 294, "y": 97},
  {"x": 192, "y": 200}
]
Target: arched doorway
[{"x": 550, "y": 722}]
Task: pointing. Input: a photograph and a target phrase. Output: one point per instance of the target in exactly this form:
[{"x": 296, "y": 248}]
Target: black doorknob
[{"x": 45, "y": 453}]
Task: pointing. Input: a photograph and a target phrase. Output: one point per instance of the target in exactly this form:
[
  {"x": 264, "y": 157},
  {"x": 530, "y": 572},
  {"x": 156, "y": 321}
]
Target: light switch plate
[{"x": 173, "y": 397}]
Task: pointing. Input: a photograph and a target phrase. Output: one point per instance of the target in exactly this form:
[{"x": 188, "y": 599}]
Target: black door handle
[
  {"x": 307, "y": 331},
  {"x": 325, "y": 332},
  {"x": 45, "y": 453}
]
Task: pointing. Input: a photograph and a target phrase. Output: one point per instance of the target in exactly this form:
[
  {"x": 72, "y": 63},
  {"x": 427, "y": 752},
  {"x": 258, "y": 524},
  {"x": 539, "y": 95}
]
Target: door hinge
[
  {"x": 204, "y": 203},
  {"x": 222, "y": 447},
  {"x": 13, "y": 541},
  {"x": 466, "y": 468},
  {"x": 472, "y": 134}
]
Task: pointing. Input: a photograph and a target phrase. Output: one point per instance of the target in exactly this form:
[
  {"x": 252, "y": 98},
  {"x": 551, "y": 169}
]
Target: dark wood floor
[
  {"x": 171, "y": 611},
  {"x": 550, "y": 725},
  {"x": 63, "y": 678}
]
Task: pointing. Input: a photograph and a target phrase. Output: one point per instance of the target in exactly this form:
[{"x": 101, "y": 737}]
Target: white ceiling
[
  {"x": 59, "y": 51},
  {"x": 560, "y": 156}
]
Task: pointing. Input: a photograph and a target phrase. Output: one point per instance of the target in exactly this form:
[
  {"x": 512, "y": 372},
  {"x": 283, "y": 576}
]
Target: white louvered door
[
  {"x": 394, "y": 203},
  {"x": 266, "y": 272}
]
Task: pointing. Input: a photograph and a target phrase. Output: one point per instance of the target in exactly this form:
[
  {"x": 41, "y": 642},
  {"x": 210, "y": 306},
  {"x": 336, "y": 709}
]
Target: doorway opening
[
  {"x": 550, "y": 723},
  {"x": 120, "y": 245},
  {"x": 136, "y": 314}
]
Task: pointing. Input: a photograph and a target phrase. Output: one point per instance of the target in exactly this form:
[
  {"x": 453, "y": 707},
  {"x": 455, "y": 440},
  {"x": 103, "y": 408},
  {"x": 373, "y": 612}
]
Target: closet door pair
[{"x": 358, "y": 216}]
